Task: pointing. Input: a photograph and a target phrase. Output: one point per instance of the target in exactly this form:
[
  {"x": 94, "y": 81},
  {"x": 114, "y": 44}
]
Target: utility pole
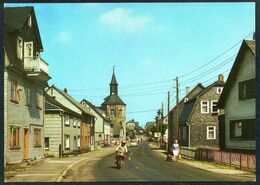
[
  {"x": 177, "y": 107},
  {"x": 168, "y": 122},
  {"x": 162, "y": 125}
]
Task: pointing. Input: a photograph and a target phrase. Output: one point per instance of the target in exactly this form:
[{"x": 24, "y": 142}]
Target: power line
[
  {"x": 216, "y": 57},
  {"x": 150, "y": 110},
  {"x": 227, "y": 61}
]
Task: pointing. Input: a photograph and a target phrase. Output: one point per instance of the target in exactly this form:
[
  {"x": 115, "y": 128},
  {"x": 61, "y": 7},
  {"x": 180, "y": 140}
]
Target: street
[{"x": 144, "y": 164}]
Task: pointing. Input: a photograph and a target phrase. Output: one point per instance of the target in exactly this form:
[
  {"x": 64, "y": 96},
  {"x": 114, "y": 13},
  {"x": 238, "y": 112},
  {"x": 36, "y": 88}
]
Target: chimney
[
  {"x": 66, "y": 91},
  {"x": 187, "y": 90},
  {"x": 221, "y": 78}
]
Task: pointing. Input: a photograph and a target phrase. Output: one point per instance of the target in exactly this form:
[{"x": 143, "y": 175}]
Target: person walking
[{"x": 175, "y": 150}]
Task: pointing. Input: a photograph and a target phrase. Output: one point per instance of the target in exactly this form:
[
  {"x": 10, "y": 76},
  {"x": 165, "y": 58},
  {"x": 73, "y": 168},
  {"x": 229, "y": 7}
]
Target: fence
[{"x": 242, "y": 161}]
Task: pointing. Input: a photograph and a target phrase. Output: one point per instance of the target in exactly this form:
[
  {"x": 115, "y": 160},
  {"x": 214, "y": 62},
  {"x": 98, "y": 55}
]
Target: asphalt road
[{"x": 144, "y": 164}]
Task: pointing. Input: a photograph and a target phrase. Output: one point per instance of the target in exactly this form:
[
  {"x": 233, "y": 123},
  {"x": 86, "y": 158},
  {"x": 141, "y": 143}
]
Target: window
[
  {"x": 247, "y": 89},
  {"x": 14, "y": 91},
  {"x": 30, "y": 21},
  {"x": 211, "y": 132},
  {"x": 28, "y": 49},
  {"x": 112, "y": 113},
  {"x": 219, "y": 90},
  {"x": 78, "y": 141},
  {"x": 71, "y": 120},
  {"x": 46, "y": 142},
  {"x": 19, "y": 48},
  {"x": 39, "y": 100},
  {"x": 79, "y": 121},
  {"x": 243, "y": 129},
  {"x": 67, "y": 142},
  {"x": 120, "y": 112},
  {"x": 66, "y": 119},
  {"x": 204, "y": 106},
  {"x": 37, "y": 137},
  {"x": 75, "y": 122},
  {"x": 28, "y": 96},
  {"x": 214, "y": 108},
  {"x": 14, "y": 137}
]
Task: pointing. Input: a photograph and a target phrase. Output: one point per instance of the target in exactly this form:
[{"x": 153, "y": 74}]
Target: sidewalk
[
  {"x": 208, "y": 166},
  {"x": 52, "y": 169}
]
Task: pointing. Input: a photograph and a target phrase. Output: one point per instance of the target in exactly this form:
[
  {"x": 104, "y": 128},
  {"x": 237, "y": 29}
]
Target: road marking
[
  {"x": 35, "y": 174},
  {"x": 53, "y": 161}
]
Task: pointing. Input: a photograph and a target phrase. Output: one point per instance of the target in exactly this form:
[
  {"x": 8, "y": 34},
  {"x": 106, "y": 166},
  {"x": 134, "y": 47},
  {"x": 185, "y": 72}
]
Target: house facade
[
  {"x": 102, "y": 124},
  {"x": 115, "y": 110},
  {"x": 87, "y": 122},
  {"x": 172, "y": 117},
  {"x": 239, "y": 101},
  {"x": 198, "y": 121},
  {"x": 25, "y": 78},
  {"x": 62, "y": 128}
]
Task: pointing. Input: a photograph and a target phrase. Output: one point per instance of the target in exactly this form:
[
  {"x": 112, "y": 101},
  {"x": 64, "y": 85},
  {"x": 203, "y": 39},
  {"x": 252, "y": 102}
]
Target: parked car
[{"x": 133, "y": 143}]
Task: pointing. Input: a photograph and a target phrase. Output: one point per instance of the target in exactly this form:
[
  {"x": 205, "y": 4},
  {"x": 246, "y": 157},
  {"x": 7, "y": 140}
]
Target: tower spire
[{"x": 113, "y": 83}]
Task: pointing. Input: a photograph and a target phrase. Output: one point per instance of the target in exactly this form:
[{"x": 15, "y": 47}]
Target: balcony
[
  {"x": 35, "y": 65},
  {"x": 36, "y": 68}
]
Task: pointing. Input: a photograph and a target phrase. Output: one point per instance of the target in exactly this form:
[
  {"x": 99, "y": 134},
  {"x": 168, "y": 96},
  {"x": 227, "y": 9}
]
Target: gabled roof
[
  {"x": 189, "y": 106},
  {"x": 53, "y": 105},
  {"x": 73, "y": 101},
  {"x": 113, "y": 99},
  {"x": 246, "y": 45},
  {"x": 198, "y": 85},
  {"x": 15, "y": 18},
  {"x": 96, "y": 110}
]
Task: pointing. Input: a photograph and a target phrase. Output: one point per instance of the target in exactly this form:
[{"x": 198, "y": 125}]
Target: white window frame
[
  {"x": 79, "y": 121},
  {"x": 78, "y": 141},
  {"x": 74, "y": 122},
  {"x": 67, "y": 141},
  {"x": 20, "y": 48},
  {"x": 219, "y": 88},
  {"x": 66, "y": 121},
  {"x": 30, "y": 21},
  {"x": 214, "y": 101},
  {"x": 208, "y": 130},
  {"x": 201, "y": 105},
  {"x": 26, "y": 54}
]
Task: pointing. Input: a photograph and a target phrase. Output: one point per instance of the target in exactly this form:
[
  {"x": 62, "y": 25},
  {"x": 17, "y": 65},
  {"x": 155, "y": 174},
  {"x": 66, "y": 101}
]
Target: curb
[{"x": 58, "y": 179}]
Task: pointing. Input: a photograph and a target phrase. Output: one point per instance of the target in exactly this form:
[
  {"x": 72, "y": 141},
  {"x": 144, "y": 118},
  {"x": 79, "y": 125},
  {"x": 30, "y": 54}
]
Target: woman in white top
[{"x": 175, "y": 149}]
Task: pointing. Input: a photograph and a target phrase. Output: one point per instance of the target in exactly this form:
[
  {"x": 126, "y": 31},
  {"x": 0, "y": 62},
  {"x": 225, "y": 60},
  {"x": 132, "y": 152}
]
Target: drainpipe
[
  {"x": 189, "y": 133},
  {"x": 62, "y": 131}
]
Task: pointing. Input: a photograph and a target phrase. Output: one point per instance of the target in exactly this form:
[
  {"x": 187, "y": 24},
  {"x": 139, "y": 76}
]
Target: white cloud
[
  {"x": 64, "y": 36},
  {"x": 147, "y": 62},
  {"x": 125, "y": 20}
]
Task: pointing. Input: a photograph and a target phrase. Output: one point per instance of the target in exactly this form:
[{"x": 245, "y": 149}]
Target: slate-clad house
[
  {"x": 87, "y": 127},
  {"x": 116, "y": 110},
  {"x": 25, "y": 78},
  {"x": 198, "y": 121},
  {"x": 239, "y": 101},
  {"x": 102, "y": 124},
  {"x": 173, "y": 113},
  {"x": 62, "y": 128}
]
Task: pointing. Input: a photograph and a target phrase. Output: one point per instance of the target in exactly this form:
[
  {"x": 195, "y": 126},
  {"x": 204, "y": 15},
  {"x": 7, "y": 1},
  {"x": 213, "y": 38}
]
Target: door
[{"x": 26, "y": 143}]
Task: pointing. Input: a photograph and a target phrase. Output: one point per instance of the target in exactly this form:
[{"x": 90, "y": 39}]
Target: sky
[{"x": 148, "y": 43}]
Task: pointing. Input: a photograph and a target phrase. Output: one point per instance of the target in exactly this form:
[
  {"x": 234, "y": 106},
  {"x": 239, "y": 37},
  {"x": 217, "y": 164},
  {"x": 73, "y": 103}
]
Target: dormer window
[
  {"x": 219, "y": 90},
  {"x": 19, "y": 48},
  {"x": 30, "y": 21},
  {"x": 28, "y": 49}
]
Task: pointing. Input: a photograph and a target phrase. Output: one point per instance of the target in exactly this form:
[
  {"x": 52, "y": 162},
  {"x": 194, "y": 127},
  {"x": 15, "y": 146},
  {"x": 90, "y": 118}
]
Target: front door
[{"x": 26, "y": 145}]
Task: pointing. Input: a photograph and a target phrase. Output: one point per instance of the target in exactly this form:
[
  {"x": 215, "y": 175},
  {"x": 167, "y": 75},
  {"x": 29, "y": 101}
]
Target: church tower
[{"x": 116, "y": 110}]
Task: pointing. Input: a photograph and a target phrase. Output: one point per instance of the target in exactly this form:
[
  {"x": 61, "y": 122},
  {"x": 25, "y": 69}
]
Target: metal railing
[{"x": 35, "y": 64}]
